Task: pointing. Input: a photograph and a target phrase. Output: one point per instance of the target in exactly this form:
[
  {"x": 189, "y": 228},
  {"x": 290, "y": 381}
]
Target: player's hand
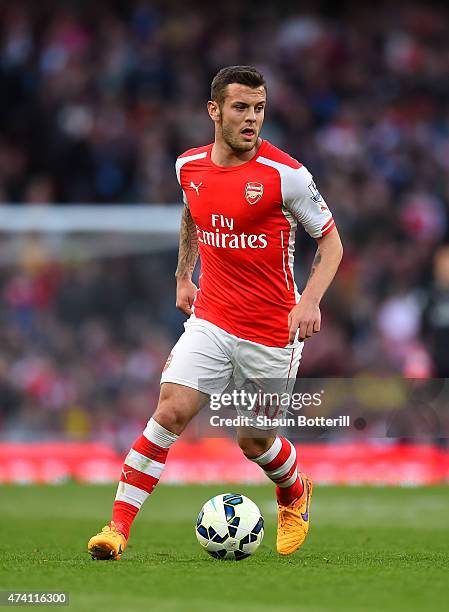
[
  {"x": 306, "y": 317},
  {"x": 185, "y": 295}
]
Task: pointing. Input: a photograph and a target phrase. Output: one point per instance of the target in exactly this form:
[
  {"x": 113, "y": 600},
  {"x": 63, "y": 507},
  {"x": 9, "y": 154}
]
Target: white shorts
[{"x": 208, "y": 359}]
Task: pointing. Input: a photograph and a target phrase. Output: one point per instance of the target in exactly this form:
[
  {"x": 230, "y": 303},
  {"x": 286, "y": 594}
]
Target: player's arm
[
  {"x": 307, "y": 205},
  {"x": 188, "y": 254},
  {"x": 306, "y": 315}
]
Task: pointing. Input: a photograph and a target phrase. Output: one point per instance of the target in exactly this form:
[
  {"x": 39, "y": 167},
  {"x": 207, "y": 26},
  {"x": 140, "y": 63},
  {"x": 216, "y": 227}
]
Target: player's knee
[
  {"x": 171, "y": 416},
  {"x": 175, "y": 409},
  {"x": 254, "y": 447}
]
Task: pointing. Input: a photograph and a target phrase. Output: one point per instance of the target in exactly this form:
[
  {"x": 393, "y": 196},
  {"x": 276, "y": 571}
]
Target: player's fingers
[
  {"x": 316, "y": 326},
  {"x": 309, "y": 329},
  {"x": 293, "y": 327},
  {"x": 305, "y": 329},
  {"x": 187, "y": 305},
  {"x": 192, "y": 296},
  {"x": 302, "y": 331},
  {"x": 184, "y": 307}
]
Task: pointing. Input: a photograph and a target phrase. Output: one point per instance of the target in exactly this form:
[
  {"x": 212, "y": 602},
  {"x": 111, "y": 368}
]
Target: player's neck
[{"x": 223, "y": 155}]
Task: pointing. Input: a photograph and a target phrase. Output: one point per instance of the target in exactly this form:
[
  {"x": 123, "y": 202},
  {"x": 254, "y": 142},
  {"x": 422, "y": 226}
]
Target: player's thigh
[
  {"x": 275, "y": 366},
  {"x": 198, "y": 366},
  {"x": 269, "y": 372}
]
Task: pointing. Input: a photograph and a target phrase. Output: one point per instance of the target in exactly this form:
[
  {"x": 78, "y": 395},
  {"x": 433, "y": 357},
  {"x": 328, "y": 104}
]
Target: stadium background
[{"x": 97, "y": 101}]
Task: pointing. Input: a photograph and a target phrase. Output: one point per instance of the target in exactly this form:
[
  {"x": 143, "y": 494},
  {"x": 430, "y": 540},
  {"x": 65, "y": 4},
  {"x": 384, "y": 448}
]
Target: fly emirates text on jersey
[{"x": 222, "y": 239}]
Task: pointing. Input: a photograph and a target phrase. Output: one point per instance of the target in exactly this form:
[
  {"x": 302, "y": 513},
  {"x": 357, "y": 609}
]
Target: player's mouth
[{"x": 248, "y": 133}]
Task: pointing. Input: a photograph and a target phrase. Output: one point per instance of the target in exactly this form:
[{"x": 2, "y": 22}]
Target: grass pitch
[{"x": 368, "y": 550}]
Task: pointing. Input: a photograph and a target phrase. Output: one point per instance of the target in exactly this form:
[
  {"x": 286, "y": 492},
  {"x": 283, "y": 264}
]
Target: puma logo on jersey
[
  {"x": 125, "y": 474},
  {"x": 196, "y": 187}
]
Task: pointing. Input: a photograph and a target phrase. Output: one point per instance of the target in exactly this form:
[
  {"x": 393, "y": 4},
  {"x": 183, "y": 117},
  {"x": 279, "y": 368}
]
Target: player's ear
[{"x": 214, "y": 110}]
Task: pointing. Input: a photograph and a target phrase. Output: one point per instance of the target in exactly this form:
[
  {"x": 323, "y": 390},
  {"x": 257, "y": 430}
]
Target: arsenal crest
[{"x": 253, "y": 192}]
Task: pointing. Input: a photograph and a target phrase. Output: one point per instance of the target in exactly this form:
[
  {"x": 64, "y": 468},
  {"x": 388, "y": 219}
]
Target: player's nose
[{"x": 251, "y": 116}]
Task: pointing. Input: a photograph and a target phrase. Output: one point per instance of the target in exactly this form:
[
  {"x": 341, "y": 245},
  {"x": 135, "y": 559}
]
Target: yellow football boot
[
  {"x": 108, "y": 544},
  {"x": 293, "y": 520}
]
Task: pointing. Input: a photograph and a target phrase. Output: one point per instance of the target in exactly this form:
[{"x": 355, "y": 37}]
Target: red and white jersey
[{"x": 246, "y": 218}]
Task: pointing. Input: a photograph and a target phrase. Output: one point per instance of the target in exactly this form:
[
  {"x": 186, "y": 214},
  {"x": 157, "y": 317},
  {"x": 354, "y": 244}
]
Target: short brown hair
[{"x": 243, "y": 75}]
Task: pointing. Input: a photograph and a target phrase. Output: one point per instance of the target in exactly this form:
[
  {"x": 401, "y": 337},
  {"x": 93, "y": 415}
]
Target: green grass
[{"x": 374, "y": 549}]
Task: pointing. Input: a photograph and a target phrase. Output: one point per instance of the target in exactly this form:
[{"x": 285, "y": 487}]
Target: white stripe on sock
[
  {"x": 290, "y": 481},
  {"x": 130, "y": 494},
  {"x": 270, "y": 454},
  {"x": 143, "y": 464},
  {"x": 159, "y": 435},
  {"x": 285, "y": 467}
]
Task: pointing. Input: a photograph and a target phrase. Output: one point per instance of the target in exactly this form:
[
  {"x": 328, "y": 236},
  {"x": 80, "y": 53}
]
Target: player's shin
[
  {"x": 280, "y": 464},
  {"x": 141, "y": 471}
]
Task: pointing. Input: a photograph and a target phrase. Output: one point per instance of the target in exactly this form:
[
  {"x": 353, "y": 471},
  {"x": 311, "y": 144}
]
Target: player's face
[{"x": 241, "y": 116}]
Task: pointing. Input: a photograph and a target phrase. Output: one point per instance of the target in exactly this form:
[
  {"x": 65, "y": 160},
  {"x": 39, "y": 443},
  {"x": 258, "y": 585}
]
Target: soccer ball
[{"x": 230, "y": 526}]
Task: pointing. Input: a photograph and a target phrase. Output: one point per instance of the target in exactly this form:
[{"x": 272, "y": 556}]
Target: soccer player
[{"x": 243, "y": 198}]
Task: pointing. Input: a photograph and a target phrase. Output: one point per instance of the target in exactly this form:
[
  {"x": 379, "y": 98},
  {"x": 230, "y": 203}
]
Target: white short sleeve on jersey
[
  {"x": 180, "y": 162},
  {"x": 178, "y": 167},
  {"x": 304, "y": 201},
  {"x": 301, "y": 197}
]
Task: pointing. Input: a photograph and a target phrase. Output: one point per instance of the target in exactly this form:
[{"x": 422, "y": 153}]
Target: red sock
[
  {"x": 280, "y": 465},
  {"x": 140, "y": 473},
  {"x": 123, "y": 515}
]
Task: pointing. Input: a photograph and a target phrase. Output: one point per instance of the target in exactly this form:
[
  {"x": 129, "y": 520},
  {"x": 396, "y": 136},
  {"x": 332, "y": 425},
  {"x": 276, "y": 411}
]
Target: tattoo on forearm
[
  {"x": 315, "y": 263},
  {"x": 188, "y": 246}
]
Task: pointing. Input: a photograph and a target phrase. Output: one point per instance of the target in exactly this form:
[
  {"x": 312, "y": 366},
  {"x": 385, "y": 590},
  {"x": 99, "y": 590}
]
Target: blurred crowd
[
  {"x": 82, "y": 345},
  {"x": 97, "y": 101}
]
